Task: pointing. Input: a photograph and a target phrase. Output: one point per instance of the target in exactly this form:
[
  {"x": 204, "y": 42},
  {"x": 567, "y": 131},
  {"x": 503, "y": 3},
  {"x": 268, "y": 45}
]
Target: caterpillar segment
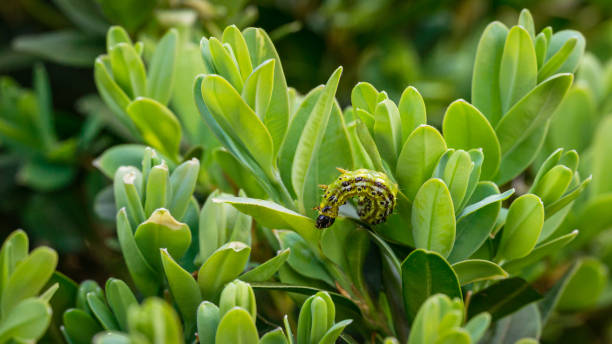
[{"x": 375, "y": 192}]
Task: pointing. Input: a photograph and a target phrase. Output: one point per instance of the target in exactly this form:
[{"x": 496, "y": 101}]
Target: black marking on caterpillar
[{"x": 375, "y": 192}]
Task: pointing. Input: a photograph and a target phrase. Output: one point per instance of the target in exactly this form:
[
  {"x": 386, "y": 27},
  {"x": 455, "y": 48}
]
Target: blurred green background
[{"x": 430, "y": 44}]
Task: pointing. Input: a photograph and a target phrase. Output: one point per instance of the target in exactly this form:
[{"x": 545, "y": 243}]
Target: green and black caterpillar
[{"x": 376, "y": 195}]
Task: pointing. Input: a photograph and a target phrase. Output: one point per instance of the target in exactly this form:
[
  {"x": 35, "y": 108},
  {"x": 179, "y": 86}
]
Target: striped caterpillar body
[{"x": 375, "y": 194}]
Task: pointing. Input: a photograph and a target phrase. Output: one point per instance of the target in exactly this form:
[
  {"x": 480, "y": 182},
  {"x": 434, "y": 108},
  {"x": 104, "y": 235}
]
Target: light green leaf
[
  {"x": 477, "y": 326},
  {"x": 433, "y": 218},
  {"x": 523, "y": 226},
  {"x": 183, "y": 181},
  {"x": 119, "y": 298},
  {"x": 585, "y": 286},
  {"x": 239, "y": 121},
  {"x": 184, "y": 289},
  {"x": 160, "y": 79},
  {"x": 157, "y": 125},
  {"x": 223, "y": 266},
  {"x": 101, "y": 311},
  {"x": 465, "y": 127},
  {"x": 237, "y": 327},
  {"x": 556, "y": 61},
  {"x": 267, "y": 269},
  {"x": 518, "y": 67},
  {"x": 364, "y": 96},
  {"x": 312, "y": 136},
  {"x": 233, "y": 37},
  {"x": 387, "y": 131},
  {"x": 142, "y": 273},
  {"x": 557, "y": 41},
  {"x": 276, "y": 119},
  {"x": 473, "y": 270},
  {"x": 412, "y": 111},
  {"x": 257, "y": 91},
  {"x": 128, "y": 70},
  {"x": 208, "y": 320},
  {"x": 79, "y": 326},
  {"x": 162, "y": 230},
  {"x": 486, "y": 94},
  {"x": 418, "y": 158},
  {"x": 29, "y": 277},
  {"x": 225, "y": 64},
  {"x": 27, "y": 322},
  {"x": 602, "y": 159},
  {"x": 541, "y": 251}
]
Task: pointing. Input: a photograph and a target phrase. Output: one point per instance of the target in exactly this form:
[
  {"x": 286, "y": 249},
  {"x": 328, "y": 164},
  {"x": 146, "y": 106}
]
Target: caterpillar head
[{"x": 324, "y": 221}]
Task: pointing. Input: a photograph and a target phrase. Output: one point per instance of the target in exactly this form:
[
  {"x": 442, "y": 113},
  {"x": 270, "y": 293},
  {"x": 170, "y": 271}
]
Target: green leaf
[
  {"x": 142, "y": 273},
  {"x": 602, "y": 161},
  {"x": 312, "y": 136},
  {"x": 274, "y": 337},
  {"x": 238, "y": 294},
  {"x": 276, "y": 119},
  {"x": 540, "y": 252},
  {"x": 79, "y": 326},
  {"x": 526, "y": 21},
  {"x": 158, "y": 189},
  {"x": 239, "y": 121},
  {"x": 433, "y": 218},
  {"x": 161, "y": 69},
  {"x": 553, "y": 184},
  {"x": 418, "y": 158},
  {"x": 437, "y": 315},
  {"x": 423, "y": 275},
  {"x": 473, "y": 270},
  {"x": 183, "y": 181},
  {"x": 585, "y": 286},
  {"x": 465, "y": 127},
  {"x": 86, "y": 287},
  {"x": 225, "y": 64},
  {"x": 237, "y": 327},
  {"x": 301, "y": 258},
  {"x": 412, "y": 111},
  {"x": 128, "y": 70},
  {"x": 518, "y": 67},
  {"x": 233, "y": 37},
  {"x": 541, "y": 45},
  {"x": 117, "y": 156},
  {"x": 298, "y": 121},
  {"x": 331, "y": 336},
  {"x": 120, "y": 298},
  {"x": 208, "y": 320},
  {"x": 257, "y": 91},
  {"x": 558, "y": 40},
  {"x": 26, "y": 322},
  {"x": 111, "y": 338},
  {"x": 525, "y": 122},
  {"x": 155, "y": 321},
  {"x": 114, "y": 97},
  {"x": 455, "y": 336},
  {"x": 14, "y": 250},
  {"x": 477, "y": 326},
  {"x": 28, "y": 278},
  {"x": 369, "y": 146},
  {"x": 127, "y": 187},
  {"x": 184, "y": 289},
  {"x": 267, "y": 269},
  {"x": 556, "y": 61},
  {"x": 523, "y": 226},
  {"x": 157, "y": 125},
  {"x": 474, "y": 227},
  {"x": 387, "y": 130},
  {"x": 486, "y": 94},
  {"x": 364, "y": 96},
  {"x": 549, "y": 303},
  {"x": 161, "y": 230},
  {"x": 223, "y": 266},
  {"x": 502, "y": 298},
  {"x": 115, "y": 35},
  {"x": 101, "y": 311},
  {"x": 272, "y": 215},
  {"x": 457, "y": 174},
  {"x": 522, "y": 324}
]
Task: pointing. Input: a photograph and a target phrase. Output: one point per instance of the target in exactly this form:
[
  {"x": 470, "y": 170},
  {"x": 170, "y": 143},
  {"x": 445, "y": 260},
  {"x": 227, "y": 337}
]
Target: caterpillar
[{"x": 375, "y": 194}]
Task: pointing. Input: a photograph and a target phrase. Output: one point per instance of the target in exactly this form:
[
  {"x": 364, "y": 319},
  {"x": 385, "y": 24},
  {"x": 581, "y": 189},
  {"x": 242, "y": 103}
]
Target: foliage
[{"x": 214, "y": 192}]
